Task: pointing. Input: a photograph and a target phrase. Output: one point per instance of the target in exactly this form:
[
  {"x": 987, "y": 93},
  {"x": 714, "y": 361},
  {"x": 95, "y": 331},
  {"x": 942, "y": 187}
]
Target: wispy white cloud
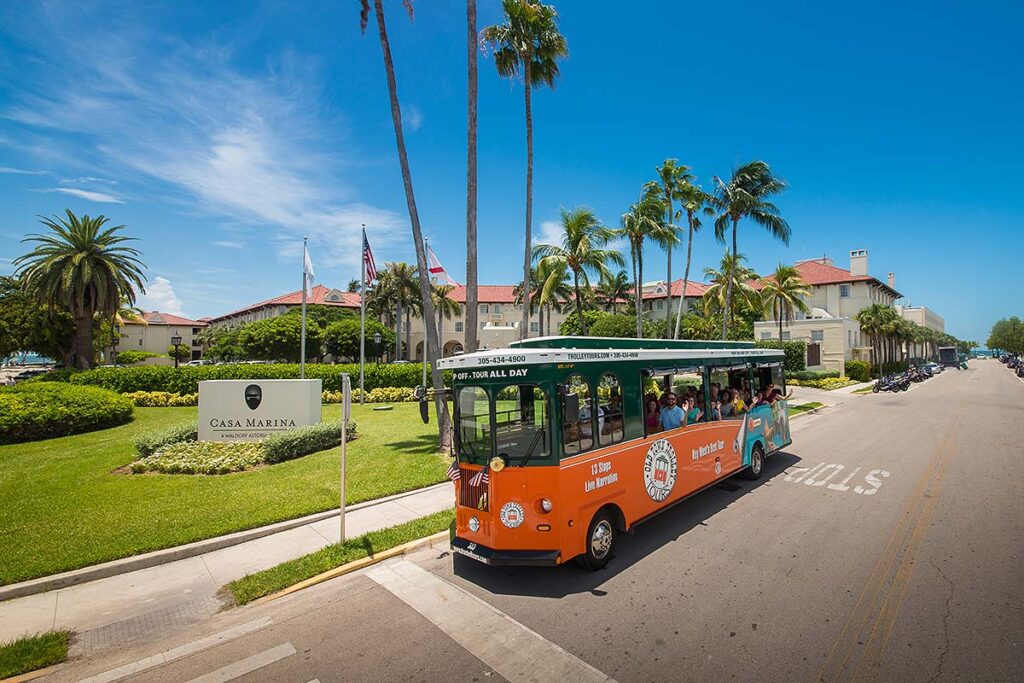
[
  {"x": 226, "y": 245},
  {"x": 20, "y": 171},
  {"x": 548, "y": 232},
  {"x": 160, "y": 296},
  {"x": 101, "y": 197},
  {"x": 254, "y": 148},
  {"x": 412, "y": 118},
  {"x": 85, "y": 180}
]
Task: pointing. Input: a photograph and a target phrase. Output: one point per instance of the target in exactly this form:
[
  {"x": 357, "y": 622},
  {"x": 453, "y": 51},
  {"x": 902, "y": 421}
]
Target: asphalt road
[{"x": 885, "y": 544}]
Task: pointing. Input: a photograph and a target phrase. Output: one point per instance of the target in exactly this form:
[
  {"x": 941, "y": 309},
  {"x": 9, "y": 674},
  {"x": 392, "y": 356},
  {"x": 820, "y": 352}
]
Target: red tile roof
[
  {"x": 487, "y": 294},
  {"x": 693, "y": 289},
  {"x": 158, "y": 318},
  {"x": 320, "y": 292},
  {"x": 815, "y": 272}
]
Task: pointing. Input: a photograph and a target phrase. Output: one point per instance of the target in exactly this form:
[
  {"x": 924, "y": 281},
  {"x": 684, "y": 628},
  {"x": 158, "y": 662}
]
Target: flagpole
[
  {"x": 302, "y": 335},
  {"x": 362, "y": 319},
  {"x": 426, "y": 247}
]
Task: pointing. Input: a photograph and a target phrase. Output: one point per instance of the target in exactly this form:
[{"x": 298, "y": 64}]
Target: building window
[
  {"x": 458, "y": 327},
  {"x": 844, "y": 291},
  {"x": 766, "y": 335},
  {"x": 484, "y": 309},
  {"x": 483, "y": 323},
  {"x": 817, "y": 335},
  {"x": 785, "y": 335},
  {"x": 534, "y": 326},
  {"x": 660, "y": 305},
  {"x": 497, "y": 309}
]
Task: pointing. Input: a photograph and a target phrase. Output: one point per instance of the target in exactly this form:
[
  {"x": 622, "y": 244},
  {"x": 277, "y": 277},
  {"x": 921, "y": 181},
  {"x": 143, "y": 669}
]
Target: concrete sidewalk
[{"x": 118, "y": 608}]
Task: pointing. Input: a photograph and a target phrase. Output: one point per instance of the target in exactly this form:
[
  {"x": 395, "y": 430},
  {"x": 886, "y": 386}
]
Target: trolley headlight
[
  {"x": 545, "y": 505},
  {"x": 497, "y": 464},
  {"x": 474, "y": 524}
]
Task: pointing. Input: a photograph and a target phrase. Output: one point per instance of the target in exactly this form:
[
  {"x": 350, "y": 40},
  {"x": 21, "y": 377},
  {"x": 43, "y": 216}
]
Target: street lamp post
[
  {"x": 376, "y": 346},
  {"x": 175, "y": 342},
  {"x": 113, "y": 344}
]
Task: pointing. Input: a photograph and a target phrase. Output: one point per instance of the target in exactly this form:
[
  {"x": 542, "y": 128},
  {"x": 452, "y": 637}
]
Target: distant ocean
[{"x": 30, "y": 359}]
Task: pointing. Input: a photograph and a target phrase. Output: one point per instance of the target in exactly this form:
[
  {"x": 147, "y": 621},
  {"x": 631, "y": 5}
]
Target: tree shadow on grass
[
  {"x": 420, "y": 445},
  {"x": 670, "y": 526}
]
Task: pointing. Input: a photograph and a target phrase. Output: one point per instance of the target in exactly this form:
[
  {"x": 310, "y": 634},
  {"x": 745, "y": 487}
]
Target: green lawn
[
  {"x": 804, "y": 407},
  {"x": 253, "y": 586},
  {"x": 63, "y": 508},
  {"x": 33, "y": 652}
]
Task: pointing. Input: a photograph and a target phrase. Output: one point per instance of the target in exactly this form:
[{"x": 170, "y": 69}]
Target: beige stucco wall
[
  {"x": 156, "y": 338},
  {"x": 840, "y": 337},
  {"x": 862, "y": 295},
  {"x": 924, "y": 316}
]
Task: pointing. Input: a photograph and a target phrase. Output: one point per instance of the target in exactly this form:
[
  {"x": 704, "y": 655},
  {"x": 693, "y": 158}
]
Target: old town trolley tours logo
[{"x": 660, "y": 470}]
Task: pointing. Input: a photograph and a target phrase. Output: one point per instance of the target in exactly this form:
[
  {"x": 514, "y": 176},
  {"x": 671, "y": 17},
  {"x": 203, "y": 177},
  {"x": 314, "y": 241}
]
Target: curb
[
  {"x": 349, "y": 568},
  {"x": 181, "y": 552},
  {"x": 812, "y": 411},
  {"x": 31, "y": 675}
]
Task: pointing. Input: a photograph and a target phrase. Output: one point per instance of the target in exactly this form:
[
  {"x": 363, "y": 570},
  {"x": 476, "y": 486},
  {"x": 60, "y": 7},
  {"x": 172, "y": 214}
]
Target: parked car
[{"x": 200, "y": 361}]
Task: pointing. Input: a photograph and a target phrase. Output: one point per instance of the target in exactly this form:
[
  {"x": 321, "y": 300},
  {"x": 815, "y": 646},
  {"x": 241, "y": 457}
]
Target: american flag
[
  {"x": 453, "y": 471},
  {"x": 371, "y": 267},
  {"x": 481, "y": 478}
]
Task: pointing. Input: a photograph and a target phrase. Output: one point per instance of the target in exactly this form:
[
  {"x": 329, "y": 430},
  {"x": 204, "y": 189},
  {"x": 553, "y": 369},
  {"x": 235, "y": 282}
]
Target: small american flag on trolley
[
  {"x": 481, "y": 478},
  {"x": 453, "y": 471},
  {"x": 371, "y": 267}
]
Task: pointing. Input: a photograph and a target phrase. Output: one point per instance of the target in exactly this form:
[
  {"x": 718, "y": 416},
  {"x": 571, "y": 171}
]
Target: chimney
[
  {"x": 892, "y": 280},
  {"x": 859, "y": 262}
]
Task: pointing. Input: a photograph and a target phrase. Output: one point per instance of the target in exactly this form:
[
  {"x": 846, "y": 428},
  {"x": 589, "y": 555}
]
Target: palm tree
[
  {"x": 395, "y": 295},
  {"x": 731, "y": 274},
  {"x": 427, "y": 305},
  {"x": 695, "y": 202},
  {"x": 83, "y": 268},
  {"x": 532, "y": 299},
  {"x": 643, "y": 220},
  {"x": 528, "y": 44},
  {"x": 446, "y": 307},
  {"x": 554, "y": 291},
  {"x": 672, "y": 176},
  {"x": 581, "y": 253},
  {"x": 613, "y": 289},
  {"x": 472, "y": 292},
  {"x": 745, "y": 195},
  {"x": 784, "y": 292},
  {"x": 873, "y": 320}
]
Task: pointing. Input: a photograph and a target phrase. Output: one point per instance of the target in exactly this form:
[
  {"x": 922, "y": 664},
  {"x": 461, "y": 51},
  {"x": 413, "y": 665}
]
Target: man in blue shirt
[{"x": 671, "y": 415}]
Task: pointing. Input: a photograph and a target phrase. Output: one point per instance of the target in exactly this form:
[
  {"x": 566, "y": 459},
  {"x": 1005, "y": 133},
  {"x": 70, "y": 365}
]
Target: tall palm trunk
[
  {"x": 579, "y": 302},
  {"x": 83, "y": 340},
  {"x": 443, "y": 420},
  {"x": 398, "y": 330},
  {"x": 779, "y": 314},
  {"x": 525, "y": 324},
  {"x": 472, "y": 295},
  {"x": 408, "y": 332},
  {"x": 668, "y": 270},
  {"x": 686, "y": 273},
  {"x": 640, "y": 294},
  {"x": 727, "y": 313}
]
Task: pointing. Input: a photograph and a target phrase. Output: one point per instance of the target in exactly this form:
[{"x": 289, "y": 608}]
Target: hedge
[
  {"x": 185, "y": 380},
  {"x": 148, "y": 443},
  {"x": 165, "y": 399},
  {"x": 129, "y": 357},
  {"x": 795, "y": 350},
  {"x": 858, "y": 370},
  {"x": 296, "y": 443},
  {"x": 43, "y": 410},
  {"x": 805, "y": 375},
  {"x": 162, "y": 399}
]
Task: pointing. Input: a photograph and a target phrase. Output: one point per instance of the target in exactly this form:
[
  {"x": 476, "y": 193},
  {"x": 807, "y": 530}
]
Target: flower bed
[
  {"x": 176, "y": 451},
  {"x": 44, "y": 410},
  {"x": 828, "y": 383}
]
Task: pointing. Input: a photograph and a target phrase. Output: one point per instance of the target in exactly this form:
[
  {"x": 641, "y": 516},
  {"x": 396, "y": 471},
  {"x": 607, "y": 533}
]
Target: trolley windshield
[{"x": 505, "y": 420}]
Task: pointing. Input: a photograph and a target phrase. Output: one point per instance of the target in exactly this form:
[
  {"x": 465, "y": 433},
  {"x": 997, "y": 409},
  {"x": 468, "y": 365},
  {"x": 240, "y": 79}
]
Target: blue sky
[{"x": 220, "y": 133}]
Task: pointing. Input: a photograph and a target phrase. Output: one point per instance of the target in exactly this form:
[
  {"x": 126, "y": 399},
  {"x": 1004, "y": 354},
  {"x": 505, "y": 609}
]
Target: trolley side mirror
[{"x": 570, "y": 408}]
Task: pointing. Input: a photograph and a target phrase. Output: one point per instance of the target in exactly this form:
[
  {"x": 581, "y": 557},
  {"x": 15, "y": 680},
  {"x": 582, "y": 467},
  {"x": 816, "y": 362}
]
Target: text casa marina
[{"x": 251, "y": 423}]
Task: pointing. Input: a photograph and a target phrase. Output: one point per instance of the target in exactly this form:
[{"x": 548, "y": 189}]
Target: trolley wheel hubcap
[
  {"x": 755, "y": 461},
  {"x": 601, "y": 539}
]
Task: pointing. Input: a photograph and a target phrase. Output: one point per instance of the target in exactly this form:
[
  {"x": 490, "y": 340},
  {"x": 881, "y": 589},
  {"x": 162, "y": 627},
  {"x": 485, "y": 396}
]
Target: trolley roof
[{"x": 658, "y": 352}]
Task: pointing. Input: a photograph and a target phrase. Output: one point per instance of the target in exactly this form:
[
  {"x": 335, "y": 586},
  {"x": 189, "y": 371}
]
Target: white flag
[
  {"x": 307, "y": 271},
  {"x": 437, "y": 271}
]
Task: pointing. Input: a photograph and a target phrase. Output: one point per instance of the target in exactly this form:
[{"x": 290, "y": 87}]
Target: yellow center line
[{"x": 867, "y": 601}]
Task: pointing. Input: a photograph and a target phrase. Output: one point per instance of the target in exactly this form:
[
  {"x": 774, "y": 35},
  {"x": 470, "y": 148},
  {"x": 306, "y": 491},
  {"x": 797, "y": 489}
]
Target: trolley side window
[
  {"x": 578, "y": 416},
  {"x": 474, "y": 423},
  {"x": 521, "y": 422},
  {"x": 609, "y": 393}
]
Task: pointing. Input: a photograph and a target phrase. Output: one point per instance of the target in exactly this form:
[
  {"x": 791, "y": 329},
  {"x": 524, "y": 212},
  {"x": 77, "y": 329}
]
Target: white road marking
[
  {"x": 247, "y": 665},
  {"x": 822, "y": 473},
  {"x": 499, "y": 641},
  {"x": 185, "y": 650}
]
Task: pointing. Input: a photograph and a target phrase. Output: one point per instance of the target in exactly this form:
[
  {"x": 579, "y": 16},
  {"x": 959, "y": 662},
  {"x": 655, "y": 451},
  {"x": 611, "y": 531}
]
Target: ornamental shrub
[
  {"x": 129, "y": 357},
  {"x": 858, "y": 370},
  {"x": 805, "y": 375},
  {"x": 185, "y": 380},
  {"x": 148, "y": 443},
  {"x": 44, "y": 410},
  {"x": 296, "y": 443},
  {"x": 201, "y": 457},
  {"x": 161, "y": 399},
  {"x": 795, "y": 350}
]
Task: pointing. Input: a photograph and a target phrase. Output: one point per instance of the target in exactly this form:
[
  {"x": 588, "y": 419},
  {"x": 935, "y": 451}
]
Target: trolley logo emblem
[
  {"x": 512, "y": 515},
  {"x": 718, "y": 466},
  {"x": 660, "y": 469}
]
